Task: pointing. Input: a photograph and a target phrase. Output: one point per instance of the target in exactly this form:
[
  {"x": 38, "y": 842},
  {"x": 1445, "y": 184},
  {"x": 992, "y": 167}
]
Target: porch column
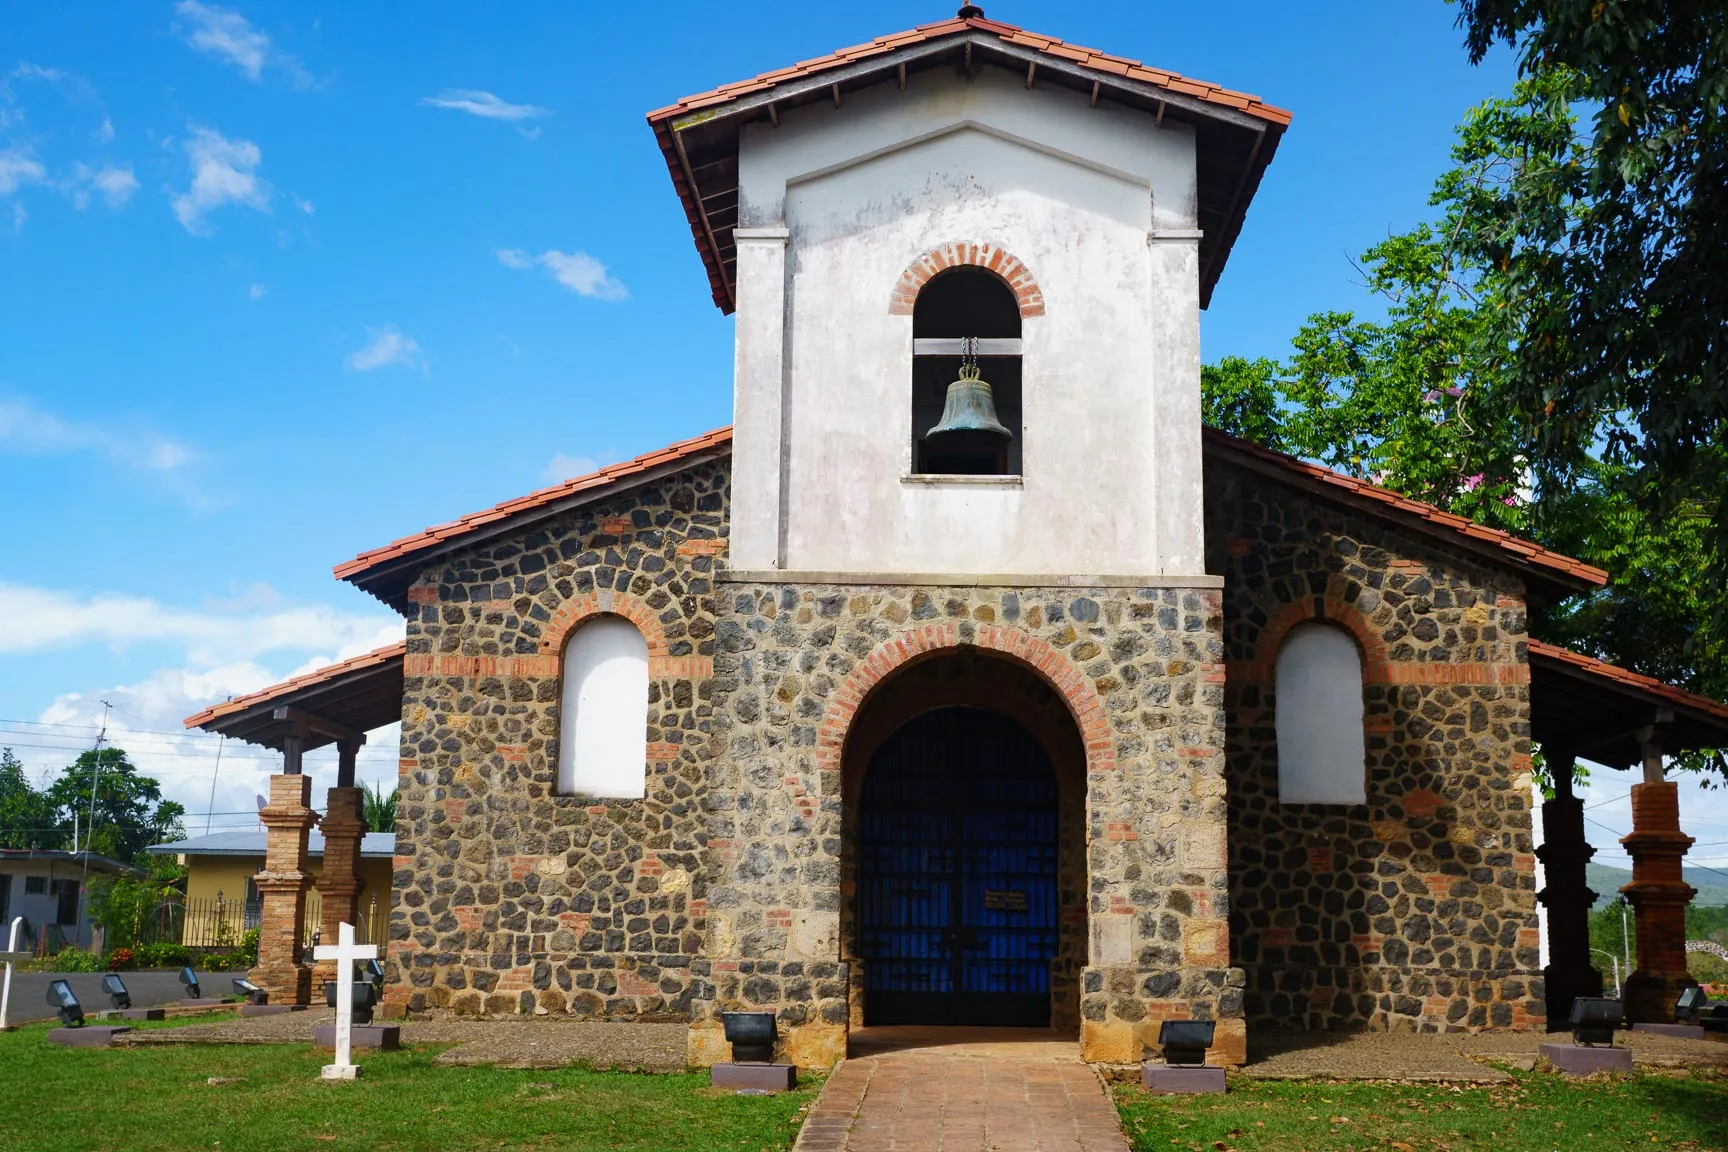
[
  {"x": 1563, "y": 853},
  {"x": 1658, "y": 895},
  {"x": 338, "y": 884},
  {"x": 283, "y": 882}
]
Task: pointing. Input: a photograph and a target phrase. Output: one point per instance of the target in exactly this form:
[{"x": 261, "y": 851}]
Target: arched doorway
[{"x": 958, "y": 901}]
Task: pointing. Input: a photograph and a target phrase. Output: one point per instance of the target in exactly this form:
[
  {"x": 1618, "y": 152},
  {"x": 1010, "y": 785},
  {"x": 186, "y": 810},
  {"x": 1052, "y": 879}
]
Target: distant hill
[{"x": 1607, "y": 882}]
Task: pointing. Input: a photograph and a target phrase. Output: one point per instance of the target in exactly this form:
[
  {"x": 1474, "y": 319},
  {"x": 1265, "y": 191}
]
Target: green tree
[
  {"x": 1614, "y": 248},
  {"x": 380, "y": 809},
  {"x": 1425, "y": 401},
  {"x": 129, "y": 812},
  {"x": 26, "y": 815}
]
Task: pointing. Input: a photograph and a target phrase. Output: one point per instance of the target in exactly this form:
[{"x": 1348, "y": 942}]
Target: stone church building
[{"x": 966, "y": 678}]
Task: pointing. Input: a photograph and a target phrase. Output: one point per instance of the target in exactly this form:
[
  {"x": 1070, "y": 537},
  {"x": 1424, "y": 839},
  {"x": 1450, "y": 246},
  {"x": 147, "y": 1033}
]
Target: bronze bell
[{"x": 969, "y": 412}]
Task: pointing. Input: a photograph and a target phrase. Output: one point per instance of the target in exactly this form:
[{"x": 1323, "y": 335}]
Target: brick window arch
[{"x": 1027, "y": 295}]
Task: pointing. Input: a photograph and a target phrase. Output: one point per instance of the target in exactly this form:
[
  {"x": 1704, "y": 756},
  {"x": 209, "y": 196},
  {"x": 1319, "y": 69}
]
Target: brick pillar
[
  {"x": 1658, "y": 895},
  {"x": 284, "y": 882},
  {"x": 1564, "y": 852},
  {"x": 339, "y": 883}
]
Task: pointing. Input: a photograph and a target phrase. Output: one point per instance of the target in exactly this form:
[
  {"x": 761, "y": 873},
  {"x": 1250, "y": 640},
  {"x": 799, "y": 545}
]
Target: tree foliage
[
  {"x": 380, "y": 809},
  {"x": 1426, "y": 399},
  {"x": 127, "y": 814},
  {"x": 1614, "y": 248},
  {"x": 27, "y": 817}
]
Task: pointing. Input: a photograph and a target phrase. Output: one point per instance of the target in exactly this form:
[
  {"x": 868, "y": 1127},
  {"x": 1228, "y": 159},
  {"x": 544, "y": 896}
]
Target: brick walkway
[{"x": 962, "y": 1090}]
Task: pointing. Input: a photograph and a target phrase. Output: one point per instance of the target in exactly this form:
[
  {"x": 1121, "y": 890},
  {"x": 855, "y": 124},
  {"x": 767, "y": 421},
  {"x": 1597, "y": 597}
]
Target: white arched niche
[
  {"x": 603, "y": 724},
  {"x": 1318, "y": 696}
]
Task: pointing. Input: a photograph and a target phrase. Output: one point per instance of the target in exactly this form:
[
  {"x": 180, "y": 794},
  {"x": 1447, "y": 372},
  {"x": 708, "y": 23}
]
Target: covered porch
[
  {"x": 339, "y": 705},
  {"x": 1582, "y": 708}
]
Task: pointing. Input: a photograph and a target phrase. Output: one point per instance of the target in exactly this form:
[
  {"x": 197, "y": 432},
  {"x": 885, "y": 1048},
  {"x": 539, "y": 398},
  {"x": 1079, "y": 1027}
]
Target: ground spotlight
[
  {"x": 60, "y": 996},
  {"x": 116, "y": 989},
  {"x": 1594, "y": 1019},
  {"x": 190, "y": 979},
  {"x": 250, "y": 992},
  {"x": 1185, "y": 1042}
]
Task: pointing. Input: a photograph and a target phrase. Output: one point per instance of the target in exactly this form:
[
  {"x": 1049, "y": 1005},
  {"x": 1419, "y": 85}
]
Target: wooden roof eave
[{"x": 1598, "y": 717}]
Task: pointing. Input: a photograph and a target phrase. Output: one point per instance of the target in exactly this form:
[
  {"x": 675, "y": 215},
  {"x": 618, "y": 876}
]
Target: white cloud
[
  {"x": 221, "y": 661},
  {"x": 116, "y": 184},
  {"x": 305, "y": 206},
  {"x": 26, "y": 428},
  {"x": 257, "y": 292},
  {"x": 45, "y": 619},
  {"x": 484, "y": 104},
  {"x": 105, "y": 132},
  {"x": 562, "y": 467},
  {"x": 18, "y": 168},
  {"x": 229, "y": 36},
  {"x": 388, "y": 347},
  {"x": 577, "y": 271},
  {"x": 223, "y": 172}
]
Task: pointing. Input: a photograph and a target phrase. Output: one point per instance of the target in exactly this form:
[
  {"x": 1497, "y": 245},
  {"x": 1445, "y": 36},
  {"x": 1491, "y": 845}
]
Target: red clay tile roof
[
  {"x": 610, "y": 476},
  {"x": 1649, "y": 685},
  {"x": 1085, "y": 57},
  {"x": 700, "y": 146},
  {"x": 1421, "y": 515},
  {"x": 376, "y": 658}
]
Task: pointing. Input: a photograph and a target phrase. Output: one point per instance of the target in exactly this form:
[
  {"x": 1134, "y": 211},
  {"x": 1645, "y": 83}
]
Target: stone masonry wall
[
  {"x": 1141, "y": 671},
  {"x": 1416, "y": 909},
  {"x": 506, "y": 896}
]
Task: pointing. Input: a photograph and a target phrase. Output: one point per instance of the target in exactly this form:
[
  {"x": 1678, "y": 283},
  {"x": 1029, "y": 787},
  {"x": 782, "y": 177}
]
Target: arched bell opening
[
  {"x": 966, "y": 386},
  {"x": 963, "y": 857}
]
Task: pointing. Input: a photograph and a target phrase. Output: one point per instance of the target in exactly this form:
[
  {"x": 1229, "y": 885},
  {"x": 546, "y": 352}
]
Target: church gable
[{"x": 599, "y": 897}]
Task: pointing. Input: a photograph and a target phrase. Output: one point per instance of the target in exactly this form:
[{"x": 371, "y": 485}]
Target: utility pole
[
  {"x": 210, "y": 808},
  {"x": 90, "y": 828}
]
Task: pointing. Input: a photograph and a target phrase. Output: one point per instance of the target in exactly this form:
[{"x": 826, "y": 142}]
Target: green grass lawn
[
  {"x": 1537, "y": 1111},
  {"x": 56, "y": 1099}
]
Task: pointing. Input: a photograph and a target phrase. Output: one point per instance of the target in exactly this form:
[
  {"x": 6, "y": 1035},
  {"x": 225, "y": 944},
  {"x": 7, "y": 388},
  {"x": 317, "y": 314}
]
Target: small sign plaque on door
[{"x": 1004, "y": 900}]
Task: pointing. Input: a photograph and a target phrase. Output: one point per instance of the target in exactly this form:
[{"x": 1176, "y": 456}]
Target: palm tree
[{"x": 380, "y": 809}]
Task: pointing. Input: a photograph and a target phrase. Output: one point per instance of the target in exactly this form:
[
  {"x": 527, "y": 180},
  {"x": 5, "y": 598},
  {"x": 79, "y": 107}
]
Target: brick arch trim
[
  {"x": 1068, "y": 681},
  {"x": 580, "y": 609},
  {"x": 960, "y": 254},
  {"x": 1324, "y": 609}
]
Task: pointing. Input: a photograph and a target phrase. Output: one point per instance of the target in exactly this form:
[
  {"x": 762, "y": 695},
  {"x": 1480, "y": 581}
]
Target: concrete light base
[
  {"x": 1167, "y": 1080},
  {"x": 142, "y": 1014},
  {"x": 763, "y": 1077},
  {"x": 89, "y": 1036},
  {"x": 206, "y": 1002},
  {"x": 1582, "y": 1059},
  {"x": 1684, "y": 1031},
  {"x": 339, "y": 1072},
  {"x": 384, "y": 1037},
  {"x": 270, "y": 1009}
]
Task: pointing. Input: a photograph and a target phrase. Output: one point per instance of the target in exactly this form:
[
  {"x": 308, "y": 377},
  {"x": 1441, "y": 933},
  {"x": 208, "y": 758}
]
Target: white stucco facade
[{"x": 1098, "y": 203}]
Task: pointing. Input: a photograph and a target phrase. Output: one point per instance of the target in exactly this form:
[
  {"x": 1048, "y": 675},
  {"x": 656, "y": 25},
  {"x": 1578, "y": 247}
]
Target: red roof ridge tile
[
  {"x": 1037, "y": 41},
  {"x": 1590, "y": 664},
  {"x": 317, "y": 676},
  {"x": 1524, "y": 550},
  {"x": 543, "y": 496}
]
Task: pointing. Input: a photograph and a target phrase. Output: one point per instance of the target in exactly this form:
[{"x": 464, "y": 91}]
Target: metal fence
[{"x": 220, "y": 923}]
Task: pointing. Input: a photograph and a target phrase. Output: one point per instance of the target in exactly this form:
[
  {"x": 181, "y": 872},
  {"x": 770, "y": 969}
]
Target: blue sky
[{"x": 280, "y": 283}]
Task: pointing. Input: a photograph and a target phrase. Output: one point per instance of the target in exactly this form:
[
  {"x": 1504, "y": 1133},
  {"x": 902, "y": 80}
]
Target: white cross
[
  {"x": 10, "y": 956},
  {"x": 345, "y": 952}
]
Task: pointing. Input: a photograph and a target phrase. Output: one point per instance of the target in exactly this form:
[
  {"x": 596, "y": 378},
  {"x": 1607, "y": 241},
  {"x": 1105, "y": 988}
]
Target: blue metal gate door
[{"x": 957, "y": 902}]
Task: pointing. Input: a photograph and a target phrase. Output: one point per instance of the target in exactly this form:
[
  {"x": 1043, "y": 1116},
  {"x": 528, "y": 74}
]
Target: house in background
[
  {"x": 46, "y": 887},
  {"x": 219, "y": 886}
]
